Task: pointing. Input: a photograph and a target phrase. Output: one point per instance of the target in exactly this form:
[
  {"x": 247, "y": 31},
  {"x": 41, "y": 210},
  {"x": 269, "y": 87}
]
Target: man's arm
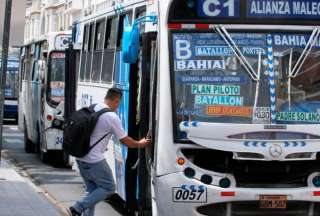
[{"x": 131, "y": 143}]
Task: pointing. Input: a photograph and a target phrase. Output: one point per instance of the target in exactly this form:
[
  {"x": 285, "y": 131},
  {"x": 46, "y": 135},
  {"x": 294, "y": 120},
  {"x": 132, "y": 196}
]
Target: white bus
[
  {"x": 41, "y": 95},
  {"x": 228, "y": 90},
  {"x": 98, "y": 64}
]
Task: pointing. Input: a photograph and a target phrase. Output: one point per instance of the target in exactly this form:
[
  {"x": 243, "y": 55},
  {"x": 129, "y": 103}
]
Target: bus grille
[
  {"x": 254, "y": 174},
  {"x": 251, "y": 208}
]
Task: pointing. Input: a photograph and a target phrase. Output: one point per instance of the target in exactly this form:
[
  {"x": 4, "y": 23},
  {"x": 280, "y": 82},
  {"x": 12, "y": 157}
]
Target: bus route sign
[
  {"x": 283, "y": 9},
  {"x": 219, "y": 8}
]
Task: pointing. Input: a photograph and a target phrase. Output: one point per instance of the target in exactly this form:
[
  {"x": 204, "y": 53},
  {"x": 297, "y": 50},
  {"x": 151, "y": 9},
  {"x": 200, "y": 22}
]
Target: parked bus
[
  {"x": 11, "y": 89},
  {"x": 228, "y": 91},
  {"x": 41, "y": 100},
  {"x": 97, "y": 61}
]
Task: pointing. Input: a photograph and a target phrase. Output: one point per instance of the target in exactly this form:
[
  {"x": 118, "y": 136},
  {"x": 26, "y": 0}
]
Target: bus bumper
[
  {"x": 10, "y": 111},
  {"x": 175, "y": 194},
  {"x": 54, "y": 139}
]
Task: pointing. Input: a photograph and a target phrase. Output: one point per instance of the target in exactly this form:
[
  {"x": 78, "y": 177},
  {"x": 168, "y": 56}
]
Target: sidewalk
[
  {"x": 18, "y": 197},
  {"x": 64, "y": 186}
]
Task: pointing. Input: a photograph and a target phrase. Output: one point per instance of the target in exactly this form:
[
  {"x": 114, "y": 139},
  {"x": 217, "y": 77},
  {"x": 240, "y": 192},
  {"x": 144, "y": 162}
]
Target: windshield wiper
[
  {"x": 221, "y": 30},
  {"x": 312, "y": 40},
  {"x": 257, "y": 85},
  {"x": 289, "y": 80}
]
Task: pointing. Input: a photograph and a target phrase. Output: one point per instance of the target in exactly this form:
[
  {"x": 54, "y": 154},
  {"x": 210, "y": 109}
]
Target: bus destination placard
[
  {"x": 280, "y": 9},
  {"x": 259, "y": 9}
]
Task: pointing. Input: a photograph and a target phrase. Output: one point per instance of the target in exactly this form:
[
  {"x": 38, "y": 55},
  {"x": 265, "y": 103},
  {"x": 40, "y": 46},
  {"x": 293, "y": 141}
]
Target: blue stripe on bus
[{"x": 122, "y": 74}]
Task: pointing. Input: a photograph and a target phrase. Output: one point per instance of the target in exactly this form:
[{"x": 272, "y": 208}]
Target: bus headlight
[
  {"x": 206, "y": 179},
  {"x": 224, "y": 182},
  {"x": 189, "y": 172},
  {"x": 316, "y": 181}
]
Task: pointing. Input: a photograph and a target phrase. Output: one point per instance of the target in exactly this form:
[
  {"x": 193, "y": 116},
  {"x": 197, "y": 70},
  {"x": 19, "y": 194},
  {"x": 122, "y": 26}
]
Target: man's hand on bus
[
  {"x": 131, "y": 143},
  {"x": 144, "y": 142}
]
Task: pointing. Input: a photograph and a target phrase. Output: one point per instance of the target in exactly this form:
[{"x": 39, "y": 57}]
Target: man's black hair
[{"x": 113, "y": 93}]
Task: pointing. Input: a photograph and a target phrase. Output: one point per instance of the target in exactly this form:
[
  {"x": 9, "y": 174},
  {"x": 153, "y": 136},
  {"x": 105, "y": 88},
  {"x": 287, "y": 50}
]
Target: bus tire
[
  {"x": 45, "y": 156},
  {"x": 62, "y": 159},
  {"x": 65, "y": 159},
  {"x": 28, "y": 145}
]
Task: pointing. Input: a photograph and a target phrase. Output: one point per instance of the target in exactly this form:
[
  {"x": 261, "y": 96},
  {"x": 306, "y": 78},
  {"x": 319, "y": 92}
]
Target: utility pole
[{"x": 3, "y": 72}]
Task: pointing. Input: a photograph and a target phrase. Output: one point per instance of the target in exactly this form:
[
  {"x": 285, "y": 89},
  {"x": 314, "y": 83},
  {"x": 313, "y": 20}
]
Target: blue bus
[{"x": 11, "y": 89}]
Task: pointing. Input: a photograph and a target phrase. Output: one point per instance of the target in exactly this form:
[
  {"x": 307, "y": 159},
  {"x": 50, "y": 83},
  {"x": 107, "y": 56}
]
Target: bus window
[
  {"x": 37, "y": 51},
  {"x": 35, "y": 71},
  {"x": 27, "y": 60},
  {"x": 21, "y": 73},
  {"x": 139, "y": 12},
  {"x": 98, "y": 42},
  {"x": 56, "y": 77},
  {"x": 84, "y": 53},
  {"x": 110, "y": 37},
  {"x": 89, "y": 53},
  {"x": 121, "y": 27},
  {"x": 98, "y": 50},
  {"x": 109, "y": 50},
  {"x": 11, "y": 88}
]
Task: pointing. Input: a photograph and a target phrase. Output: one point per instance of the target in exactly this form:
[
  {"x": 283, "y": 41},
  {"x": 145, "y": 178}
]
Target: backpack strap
[
  {"x": 96, "y": 117},
  {"x": 96, "y": 143}
]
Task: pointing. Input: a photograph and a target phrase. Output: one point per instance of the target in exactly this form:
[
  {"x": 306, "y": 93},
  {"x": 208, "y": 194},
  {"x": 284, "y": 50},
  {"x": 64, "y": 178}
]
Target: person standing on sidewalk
[{"x": 94, "y": 170}]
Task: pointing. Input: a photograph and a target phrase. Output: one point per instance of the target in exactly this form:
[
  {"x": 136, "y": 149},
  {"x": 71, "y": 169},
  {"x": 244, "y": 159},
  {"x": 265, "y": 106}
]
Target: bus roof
[{"x": 116, "y": 9}]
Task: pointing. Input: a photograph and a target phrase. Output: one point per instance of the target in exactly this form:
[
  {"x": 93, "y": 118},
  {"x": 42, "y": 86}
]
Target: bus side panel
[
  {"x": 122, "y": 81},
  {"x": 35, "y": 111}
]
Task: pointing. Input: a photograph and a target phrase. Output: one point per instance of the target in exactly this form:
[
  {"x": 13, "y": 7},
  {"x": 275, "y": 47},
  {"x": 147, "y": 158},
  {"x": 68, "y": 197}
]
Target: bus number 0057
[{"x": 188, "y": 195}]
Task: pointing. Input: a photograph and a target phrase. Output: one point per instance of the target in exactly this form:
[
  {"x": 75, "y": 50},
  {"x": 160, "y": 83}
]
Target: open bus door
[
  {"x": 72, "y": 60},
  {"x": 147, "y": 114},
  {"x": 142, "y": 105},
  {"x": 141, "y": 124}
]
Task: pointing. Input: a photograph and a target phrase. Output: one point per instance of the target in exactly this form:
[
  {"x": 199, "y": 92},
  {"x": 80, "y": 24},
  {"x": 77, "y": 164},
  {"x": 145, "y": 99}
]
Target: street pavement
[
  {"x": 62, "y": 186},
  {"x": 18, "y": 197}
]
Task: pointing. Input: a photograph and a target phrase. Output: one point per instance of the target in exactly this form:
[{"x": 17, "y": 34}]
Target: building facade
[{"x": 43, "y": 16}]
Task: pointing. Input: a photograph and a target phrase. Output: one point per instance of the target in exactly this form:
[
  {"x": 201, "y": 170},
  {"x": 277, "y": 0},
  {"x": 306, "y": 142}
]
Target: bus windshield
[
  {"x": 56, "y": 77},
  {"x": 11, "y": 88},
  {"x": 246, "y": 77}
]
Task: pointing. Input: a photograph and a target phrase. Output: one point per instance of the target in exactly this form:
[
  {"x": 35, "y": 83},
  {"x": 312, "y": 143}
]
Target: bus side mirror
[{"x": 131, "y": 38}]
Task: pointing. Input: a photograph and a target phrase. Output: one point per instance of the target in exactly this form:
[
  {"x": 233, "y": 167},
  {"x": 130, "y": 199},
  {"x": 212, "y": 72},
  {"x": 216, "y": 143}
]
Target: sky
[{"x": 17, "y": 21}]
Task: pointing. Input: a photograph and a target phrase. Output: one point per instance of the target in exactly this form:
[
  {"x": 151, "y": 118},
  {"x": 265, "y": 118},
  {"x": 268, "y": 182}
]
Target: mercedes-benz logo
[{"x": 275, "y": 151}]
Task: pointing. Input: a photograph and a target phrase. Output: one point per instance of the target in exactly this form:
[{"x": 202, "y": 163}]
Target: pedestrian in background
[{"x": 94, "y": 170}]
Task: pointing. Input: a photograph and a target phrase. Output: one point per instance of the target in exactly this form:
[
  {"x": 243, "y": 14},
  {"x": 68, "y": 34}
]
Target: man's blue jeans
[{"x": 99, "y": 184}]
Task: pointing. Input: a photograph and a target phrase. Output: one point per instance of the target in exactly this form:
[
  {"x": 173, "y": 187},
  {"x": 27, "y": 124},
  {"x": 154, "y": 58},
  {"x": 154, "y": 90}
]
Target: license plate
[{"x": 273, "y": 201}]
